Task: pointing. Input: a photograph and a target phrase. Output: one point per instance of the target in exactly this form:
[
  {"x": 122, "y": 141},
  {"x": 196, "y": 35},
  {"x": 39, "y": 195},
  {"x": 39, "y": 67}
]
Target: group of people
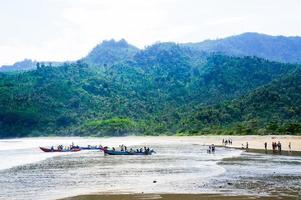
[
  {"x": 141, "y": 150},
  {"x": 227, "y": 142},
  {"x": 211, "y": 149},
  {"x": 277, "y": 146},
  {"x": 61, "y": 147}
]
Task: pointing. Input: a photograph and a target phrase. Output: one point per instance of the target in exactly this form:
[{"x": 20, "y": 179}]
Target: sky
[{"x": 61, "y": 30}]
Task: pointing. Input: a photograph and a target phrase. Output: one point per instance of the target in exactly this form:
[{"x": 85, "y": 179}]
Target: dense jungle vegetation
[{"x": 163, "y": 89}]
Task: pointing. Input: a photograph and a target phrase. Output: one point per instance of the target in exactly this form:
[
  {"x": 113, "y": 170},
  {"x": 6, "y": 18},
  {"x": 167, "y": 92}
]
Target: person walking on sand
[
  {"x": 290, "y": 147},
  {"x": 247, "y": 146},
  {"x": 266, "y": 146}
]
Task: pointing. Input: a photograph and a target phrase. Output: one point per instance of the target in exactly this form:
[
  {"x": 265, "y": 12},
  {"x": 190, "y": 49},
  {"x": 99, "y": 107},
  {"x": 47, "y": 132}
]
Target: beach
[
  {"x": 181, "y": 169},
  {"x": 254, "y": 142},
  {"x": 175, "y": 197}
]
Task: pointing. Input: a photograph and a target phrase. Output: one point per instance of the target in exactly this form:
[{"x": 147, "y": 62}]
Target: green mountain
[
  {"x": 276, "y": 48},
  {"x": 271, "y": 109},
  {"x": 156, "y": 91},
  {"x": 110, "y": 52}
]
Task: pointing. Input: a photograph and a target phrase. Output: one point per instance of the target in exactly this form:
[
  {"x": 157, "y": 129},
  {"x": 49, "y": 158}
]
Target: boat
[
  {"x": 114, "y": 152},
  {"x": 44, "y": 149}
]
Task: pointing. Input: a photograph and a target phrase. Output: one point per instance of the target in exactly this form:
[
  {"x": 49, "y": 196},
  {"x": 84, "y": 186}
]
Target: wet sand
[
  {"x": 256, "y": 145},
  {"x": 175, "y": 197},
  {"x": 182, "y": 169}
]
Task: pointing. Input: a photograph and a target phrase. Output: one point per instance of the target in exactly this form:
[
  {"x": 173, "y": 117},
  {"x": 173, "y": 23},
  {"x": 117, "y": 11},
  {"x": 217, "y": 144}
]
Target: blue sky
[{"x": 61, "y": 30}]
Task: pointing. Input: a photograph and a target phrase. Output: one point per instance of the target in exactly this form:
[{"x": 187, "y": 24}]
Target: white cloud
[{"x": 68, "y": 29}]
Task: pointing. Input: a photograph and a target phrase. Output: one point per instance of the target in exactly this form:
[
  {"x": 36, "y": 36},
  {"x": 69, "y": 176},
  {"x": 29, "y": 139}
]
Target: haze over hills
[
  {"x": 28, "y": 64},
  {"x": 24, "y": 65},
  {"x": 274, "y": 48},
  {"x": 163, "y": 89}
]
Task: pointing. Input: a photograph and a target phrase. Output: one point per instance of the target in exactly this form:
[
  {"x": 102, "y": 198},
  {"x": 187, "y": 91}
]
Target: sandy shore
[
  {"x": 254, "y": 142},
  {"x": 174, "y": 197},
  {"x": 257, "y": 142}
]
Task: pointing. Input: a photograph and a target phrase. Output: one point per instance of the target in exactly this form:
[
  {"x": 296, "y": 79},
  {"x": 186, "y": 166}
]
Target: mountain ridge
[
  {"x": 285, "y": 49},
  {"x": 155, "y": 92},
  {"x": 275, "y": 48}
]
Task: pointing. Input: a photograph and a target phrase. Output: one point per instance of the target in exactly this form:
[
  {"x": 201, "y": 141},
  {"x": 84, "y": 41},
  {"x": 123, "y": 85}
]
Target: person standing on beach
[
  {"x": 274, "y": 146},
  {"x": 266, "y": 146},
  {"x": 247, "y": 146},
  {"x": 279, "y": 146},
  {"x": 289, "y": 147}
]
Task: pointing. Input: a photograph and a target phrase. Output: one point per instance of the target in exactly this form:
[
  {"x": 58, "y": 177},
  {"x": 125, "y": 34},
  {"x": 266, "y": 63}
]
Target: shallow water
[{"x": 179, "y": 166}]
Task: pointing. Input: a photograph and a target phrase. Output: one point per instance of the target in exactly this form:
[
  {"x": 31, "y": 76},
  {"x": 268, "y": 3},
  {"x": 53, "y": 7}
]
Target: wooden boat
[
  {"x": 113, "y": 152},
  {"x": 59, "y": 150}
]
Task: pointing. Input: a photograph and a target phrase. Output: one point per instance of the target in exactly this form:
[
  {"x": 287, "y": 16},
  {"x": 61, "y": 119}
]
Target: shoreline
[
  {"x": 263, "y": 151},
  {"x": 175, "y": 197},
  {"x": 111, "y": 183},
  {"x": 255, "y": 142}
]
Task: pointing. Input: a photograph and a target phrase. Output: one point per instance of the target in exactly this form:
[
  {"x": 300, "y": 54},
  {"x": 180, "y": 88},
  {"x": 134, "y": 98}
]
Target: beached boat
[
  {"x": 114, "y": 152},
  {"x": 59, "y": 150}
]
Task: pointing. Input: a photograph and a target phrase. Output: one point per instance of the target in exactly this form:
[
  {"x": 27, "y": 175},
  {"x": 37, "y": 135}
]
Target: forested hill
[
  {"x": 110, "y": 52},
  {"x": 271, "y": 109},
  {"x": 156, "y": 91},
  {"x": 276, "y": 48}
]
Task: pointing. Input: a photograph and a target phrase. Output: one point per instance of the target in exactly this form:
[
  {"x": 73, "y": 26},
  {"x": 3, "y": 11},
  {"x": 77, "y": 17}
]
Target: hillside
[
  {"x": 154, "y": 92},
  {"x": 275, "y": 48},
  {"x": 271, "y": 109},
  {"x": 110, "y": 52}
]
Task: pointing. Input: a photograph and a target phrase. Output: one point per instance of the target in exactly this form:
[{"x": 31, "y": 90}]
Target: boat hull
[
  {"x": 47, "y": 150},
  {"x": 111, "y": 152}
]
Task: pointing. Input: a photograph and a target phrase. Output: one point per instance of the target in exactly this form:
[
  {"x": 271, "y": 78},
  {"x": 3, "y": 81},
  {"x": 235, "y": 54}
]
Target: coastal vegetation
[{"x": 164, "y": 89}]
